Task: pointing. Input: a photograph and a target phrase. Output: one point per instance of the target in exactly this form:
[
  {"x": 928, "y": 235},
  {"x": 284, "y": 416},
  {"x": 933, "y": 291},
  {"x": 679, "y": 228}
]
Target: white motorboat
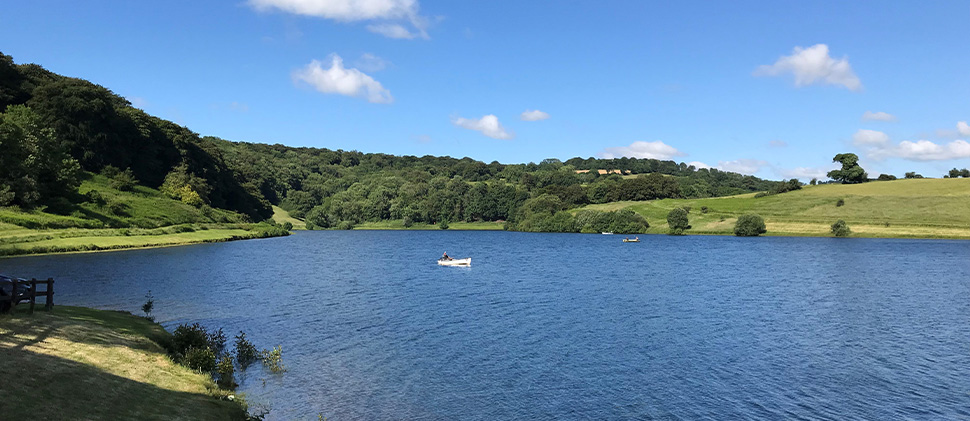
[{"x": 455, "y": 262}]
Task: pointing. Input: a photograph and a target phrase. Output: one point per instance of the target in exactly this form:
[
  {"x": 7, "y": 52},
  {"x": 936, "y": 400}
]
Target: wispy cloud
[
  {"x": 342, "y": 81},
  {"x": 877, "y": 116},
  {"x": 963, "y": 128},
  {"x": 487, "y": 125},
  {"x": 387, "y": 13},
  {"x": 778, "y": 144},
  {"x": 371, "y": 63},
  {"x": 641, "y": 149},
  {"x": 534, "y": 115},
  {"x": 813, "y": 65},
  {"x": 805, "y": 173},
  {"x": 742, "y": 166},
  {"x": 878, "y": 146}
]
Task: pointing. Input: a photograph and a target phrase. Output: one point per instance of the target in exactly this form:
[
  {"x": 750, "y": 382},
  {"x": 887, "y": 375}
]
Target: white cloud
[
  {"x": 641, "y": 149},
  {"x": 878, "y": 146},
  {"x": 742, "y": 166},
  {"x": 924, "y": 150},
  {"x": 870, "y": 138},
  {"x": 877, "y": 116},
  {"x": 393, "y": 30},
  {"x": 963, "y": 128},
  {"x": 488, "y": 125},
  {"x": 358, "y": 10},
  {"x": 805, "y": 173},
  {"x": 698, "y": 164},
  {"x": 534, "y": 115},
  {"x": 343, "y": 81},
  {"x": 813, "y": 65},
  {"x": 371, "y": 63}
]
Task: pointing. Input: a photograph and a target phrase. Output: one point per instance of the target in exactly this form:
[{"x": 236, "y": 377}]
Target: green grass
[
  {"x": 920, "y": 208},
  {"x": 281, "y": 216},
  {"x": 113, "y": 219},
  {"x": 398, "y": 224},
  {"x": 79, "y": 363}
]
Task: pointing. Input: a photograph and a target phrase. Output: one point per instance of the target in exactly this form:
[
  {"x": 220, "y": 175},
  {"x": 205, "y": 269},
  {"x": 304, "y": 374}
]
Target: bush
[
  {"x": 288, "y": 226},
  {"x": 188, "y": 337},
  {"x": 761, "y": 194},
  {"x": 345, "y": 225},
  {"x": 841, "y": 229},
  {"x": 273, "y": 359},
  {"x": 750, "y": 225},
  {"x": 704, "y": 209},
  {"x": 225, "y": 369},
  {"x": 443, "y": 225},
  {"x": 840, "y": 202},
  {"x": 408, "y": 222},
  {"x": 246, "y": 352},
  {"x": 677, "y": 221},
  {"x": 149, "y": 304},
  {"x": 201, "y": 359}
]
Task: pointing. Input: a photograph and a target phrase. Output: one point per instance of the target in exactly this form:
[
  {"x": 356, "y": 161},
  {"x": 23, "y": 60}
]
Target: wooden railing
[{"x": 26, "y": 291}]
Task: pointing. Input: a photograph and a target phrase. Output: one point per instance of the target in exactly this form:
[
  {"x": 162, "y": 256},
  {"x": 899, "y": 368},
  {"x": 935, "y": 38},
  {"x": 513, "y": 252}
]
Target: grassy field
[
  {"x": 104, "y": 218},
  {"x": 917, "y": 208},
  {"x": 76, "y": 363},
  {"x": 453, "y": 226},
  {"x": 281, "y": 216}
]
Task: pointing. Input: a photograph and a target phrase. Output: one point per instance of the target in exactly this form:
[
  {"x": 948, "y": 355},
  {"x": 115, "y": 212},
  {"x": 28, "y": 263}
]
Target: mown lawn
[
  {"x": 82, "y": 364},
  {"x": 920, "y": 208}
]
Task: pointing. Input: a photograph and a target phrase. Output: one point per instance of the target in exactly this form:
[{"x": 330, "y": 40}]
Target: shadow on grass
[
  {"x": 121, "y": 329},
  {"x": 38, "y": 386}
]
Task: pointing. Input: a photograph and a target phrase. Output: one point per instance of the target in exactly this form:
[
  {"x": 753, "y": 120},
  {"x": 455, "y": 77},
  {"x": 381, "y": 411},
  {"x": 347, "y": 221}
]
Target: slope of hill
[
  {"x": 919, "y": 208},
  {"x": 105, "y": 218}
]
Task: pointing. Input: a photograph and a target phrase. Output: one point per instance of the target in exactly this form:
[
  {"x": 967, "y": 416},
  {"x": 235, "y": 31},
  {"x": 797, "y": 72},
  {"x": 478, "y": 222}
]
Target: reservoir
[{"x": 564, "y": 326}]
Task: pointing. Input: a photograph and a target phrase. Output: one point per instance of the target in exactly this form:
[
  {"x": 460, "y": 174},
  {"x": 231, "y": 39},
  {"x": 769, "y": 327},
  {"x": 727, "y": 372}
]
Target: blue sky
[{"x": 772, "y": 88}]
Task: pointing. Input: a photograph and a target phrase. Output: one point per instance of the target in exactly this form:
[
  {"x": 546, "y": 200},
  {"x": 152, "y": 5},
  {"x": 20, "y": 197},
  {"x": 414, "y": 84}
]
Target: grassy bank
[
  {"x": 280, "y": 216},
  {"x": 102, "y": 217},
  {"x": 398, "y": 224},
  {"x": 919, "y": 208},
  {"x": 80, "y": 363}
]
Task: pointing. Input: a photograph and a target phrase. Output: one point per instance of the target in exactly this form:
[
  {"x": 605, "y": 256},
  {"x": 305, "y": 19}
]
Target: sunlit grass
[
  {"x": 921, "y": 208},
  {"x": 280, "y": 216},
  {"x": 78, "y": 363}
]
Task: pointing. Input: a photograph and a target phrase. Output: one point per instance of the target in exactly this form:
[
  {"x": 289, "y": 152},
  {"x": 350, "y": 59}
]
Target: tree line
[{"x": 55, "y": 129}]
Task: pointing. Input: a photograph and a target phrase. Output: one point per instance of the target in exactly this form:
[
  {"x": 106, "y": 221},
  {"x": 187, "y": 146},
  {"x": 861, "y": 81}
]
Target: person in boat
[{"x": 445, "y": 256}]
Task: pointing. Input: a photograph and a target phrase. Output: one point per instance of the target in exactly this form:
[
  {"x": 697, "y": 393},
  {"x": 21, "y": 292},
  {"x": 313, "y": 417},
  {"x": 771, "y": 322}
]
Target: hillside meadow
[{"x": 913, "y": 208}]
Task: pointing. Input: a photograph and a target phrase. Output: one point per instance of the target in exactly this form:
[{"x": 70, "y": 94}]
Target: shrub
[
  {"x": 225, "y": 369},
  {"x": 216, "y": 340},
  {"x": 443, "y": 225},
  {"x": 408, "y": 222},
  {"x": 840, "y": 202},
  {"x": 841, "y": 229},
  {"x": 201, "y": 359},
  {"x": 95, "y": 197},
  {"x": 761, "y": 194},
  {"x": 288, "y": 226},
  {"x": 750, "y": 225},
  {"x": 149, "y": 304},
  {"x": 187, "y": 337},
  {"x": 273, "y": 359},
  {"x": 677, "y": 221},
  {"x": 122, "y": 180},
  {"x": 345, "y": 225},
  {"x": 246, "y": 352},
  {"x": 704, "y": 209}
]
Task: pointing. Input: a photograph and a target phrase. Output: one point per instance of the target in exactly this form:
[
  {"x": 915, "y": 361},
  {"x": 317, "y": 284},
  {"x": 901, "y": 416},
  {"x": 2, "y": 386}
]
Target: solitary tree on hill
[{"x": 851, "y": 172}]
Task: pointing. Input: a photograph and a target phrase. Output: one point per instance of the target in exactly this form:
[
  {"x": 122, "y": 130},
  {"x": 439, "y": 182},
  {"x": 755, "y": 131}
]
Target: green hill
[
  {"x": 102, "y": 217},
  {"x": 923, "y": 208}
]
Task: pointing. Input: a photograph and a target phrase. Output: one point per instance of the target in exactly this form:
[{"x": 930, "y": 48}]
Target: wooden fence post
[
  {"x": 50, "y": 295},
  {"x": 33, "y": 294}
]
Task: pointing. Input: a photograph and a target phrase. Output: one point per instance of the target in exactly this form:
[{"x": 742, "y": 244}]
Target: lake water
[{"x": 566, "y": 326}]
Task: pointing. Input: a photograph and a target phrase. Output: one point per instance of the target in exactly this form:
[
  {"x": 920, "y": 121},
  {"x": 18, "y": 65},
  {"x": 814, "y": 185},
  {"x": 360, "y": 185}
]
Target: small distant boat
[
  {"x": 631, "y": 240},
  {"x": 455, "y": 262},
  {"x": 606, "y": 233}
]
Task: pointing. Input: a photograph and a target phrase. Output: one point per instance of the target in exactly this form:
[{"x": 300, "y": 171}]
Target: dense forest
[{"x": 55, "y": 129}]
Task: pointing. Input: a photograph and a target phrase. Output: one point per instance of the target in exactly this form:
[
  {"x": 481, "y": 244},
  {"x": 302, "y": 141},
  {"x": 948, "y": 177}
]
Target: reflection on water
[{"x": 566, "y": 326}]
